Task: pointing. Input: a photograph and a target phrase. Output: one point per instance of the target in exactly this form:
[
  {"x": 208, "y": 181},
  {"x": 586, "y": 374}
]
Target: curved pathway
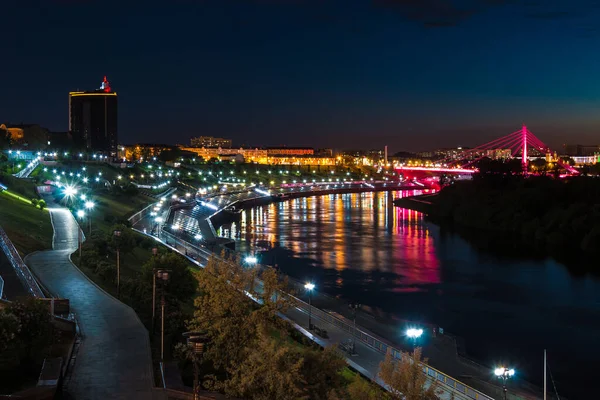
[{"x": 113, "y": 361}]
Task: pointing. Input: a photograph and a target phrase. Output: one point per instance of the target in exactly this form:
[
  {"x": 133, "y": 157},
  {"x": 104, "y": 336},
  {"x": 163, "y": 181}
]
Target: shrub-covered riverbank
[{"x": 560, "y": 217}]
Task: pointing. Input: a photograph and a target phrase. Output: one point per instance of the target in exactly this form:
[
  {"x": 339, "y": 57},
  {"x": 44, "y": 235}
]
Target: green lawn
[
  {"x": 27, "y": 227},
  {"x": 24, "y": 187}
]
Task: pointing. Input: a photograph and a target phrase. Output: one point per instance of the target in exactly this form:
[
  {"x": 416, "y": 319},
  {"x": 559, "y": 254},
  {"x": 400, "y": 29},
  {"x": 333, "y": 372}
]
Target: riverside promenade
[
  {"x": 460, "y": 378},
  {"x": 113, "y": 360}
]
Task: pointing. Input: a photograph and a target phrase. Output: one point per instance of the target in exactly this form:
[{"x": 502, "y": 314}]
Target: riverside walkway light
[
  {"x": 309, "y": 286},
  {"x": 504, "y": 373}
]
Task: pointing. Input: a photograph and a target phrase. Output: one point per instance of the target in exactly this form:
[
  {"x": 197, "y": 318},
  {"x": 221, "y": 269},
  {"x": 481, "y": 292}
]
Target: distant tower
[
  {"x": 93, "y": 119},
  {"x": 385, "y": 156},
  {"x": 524, "y": 139}
]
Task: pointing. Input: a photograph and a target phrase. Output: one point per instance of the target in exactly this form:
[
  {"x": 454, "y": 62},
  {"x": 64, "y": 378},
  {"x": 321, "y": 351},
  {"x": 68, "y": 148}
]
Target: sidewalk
[{"x": 113, "y": 361}]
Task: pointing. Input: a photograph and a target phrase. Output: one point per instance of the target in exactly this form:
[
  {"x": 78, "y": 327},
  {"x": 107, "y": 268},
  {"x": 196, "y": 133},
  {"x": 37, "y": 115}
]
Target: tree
[
  {"x": 125, "y": 241},
  {"x": 271, "y": 371},
  {"x": 34, "y": 331},
  {"x": 181, "y": 285},
  {"x": 322, "y": 372},
  {"x": 224, "y": 312},
  {"x": 5, "y": 139},
  {"x": 405, "y": 377},
  {"x": 361, "y": 389}
]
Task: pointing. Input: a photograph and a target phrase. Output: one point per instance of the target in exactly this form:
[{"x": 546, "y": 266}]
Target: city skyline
[{"x": 307, "y": 74}]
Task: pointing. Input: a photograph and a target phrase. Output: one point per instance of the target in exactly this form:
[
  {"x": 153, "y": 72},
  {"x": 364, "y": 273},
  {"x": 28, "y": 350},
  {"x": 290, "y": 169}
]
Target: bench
[{"x": 321, "y": 332}]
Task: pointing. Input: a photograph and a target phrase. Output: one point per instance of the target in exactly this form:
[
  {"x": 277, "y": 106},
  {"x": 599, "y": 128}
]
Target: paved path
[{"x": 113, "y": 361}]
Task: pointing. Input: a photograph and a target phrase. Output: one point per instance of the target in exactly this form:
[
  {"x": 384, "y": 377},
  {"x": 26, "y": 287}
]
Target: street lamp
[
  {"x": 89, "y": 205},
  {"x": 309, "y": 286},
  {"x": 354, "y": 307},
  {"x": 162, "y": 275},
  {"x": 414, "y": 334},
  {"x": 81, "y": 215},
  {"x": 117, "y": 235},
  {"x": 504, "y": 373},
  {"x": 251, "y": 260},
  {"x": 70, "y": 191}
]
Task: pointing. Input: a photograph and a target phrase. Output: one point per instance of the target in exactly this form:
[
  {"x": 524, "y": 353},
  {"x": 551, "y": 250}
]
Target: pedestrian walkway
[{"x": 114, "y": 360}]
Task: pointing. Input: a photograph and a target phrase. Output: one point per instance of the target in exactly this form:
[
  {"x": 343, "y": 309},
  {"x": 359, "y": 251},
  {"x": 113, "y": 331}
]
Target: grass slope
[{"x": 27, "y": 227}]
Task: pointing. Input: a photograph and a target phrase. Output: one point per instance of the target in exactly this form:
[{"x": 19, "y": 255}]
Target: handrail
[
  {"x": 25, "y": 172},
  {"x": 19, "y": 266}
]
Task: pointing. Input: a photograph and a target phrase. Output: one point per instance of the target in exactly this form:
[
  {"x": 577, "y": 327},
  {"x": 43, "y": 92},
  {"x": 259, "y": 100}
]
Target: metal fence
[{"x": 19, "y": 266}]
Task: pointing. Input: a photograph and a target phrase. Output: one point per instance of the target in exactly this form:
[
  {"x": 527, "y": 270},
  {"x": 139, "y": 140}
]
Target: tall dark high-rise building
[{"x": 93, "y": 119}]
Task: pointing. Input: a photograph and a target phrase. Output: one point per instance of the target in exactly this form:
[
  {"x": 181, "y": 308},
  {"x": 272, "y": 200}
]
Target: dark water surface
[{"x": 361, "y": 248}]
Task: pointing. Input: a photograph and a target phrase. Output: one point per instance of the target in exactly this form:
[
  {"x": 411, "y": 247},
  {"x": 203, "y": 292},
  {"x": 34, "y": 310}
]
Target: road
[{"x": 113, "y": 360}]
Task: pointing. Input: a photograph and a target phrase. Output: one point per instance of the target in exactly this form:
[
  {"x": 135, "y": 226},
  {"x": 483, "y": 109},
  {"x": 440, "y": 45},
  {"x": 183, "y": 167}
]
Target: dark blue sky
[{"x": 412, "y": 74}]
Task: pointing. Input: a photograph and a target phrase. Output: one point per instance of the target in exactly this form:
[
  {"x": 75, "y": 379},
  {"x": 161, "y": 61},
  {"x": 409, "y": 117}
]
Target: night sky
[{"x": 412, "y": 74}]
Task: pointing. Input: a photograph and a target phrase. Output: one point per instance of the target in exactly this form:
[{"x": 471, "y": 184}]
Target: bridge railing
[{"x": 23, "y": 272}]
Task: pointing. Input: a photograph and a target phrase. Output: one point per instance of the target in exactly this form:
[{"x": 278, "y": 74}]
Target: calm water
[{"x": 361, "y": 248}]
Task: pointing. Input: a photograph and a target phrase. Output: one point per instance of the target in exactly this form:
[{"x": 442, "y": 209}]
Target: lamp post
[
  {"x": 309, "y": 287},
  {"x": 163, "y": 275},
  {"x": 354, "y": 307},
  {"x": 414, "y": 334},
  {"x": 89, "y": 205},
  {"x": 504, "y": 373},
  {"x": 154, "y": 253},
  {"x": 196, "y": 340},
  {"x": 117, "y": 235},
  {"x": 81, "y": 215}
]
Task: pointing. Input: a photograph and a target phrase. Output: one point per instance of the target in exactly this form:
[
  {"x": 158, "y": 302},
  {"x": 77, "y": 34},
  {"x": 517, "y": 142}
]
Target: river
[{"x": 361, "y": 248}]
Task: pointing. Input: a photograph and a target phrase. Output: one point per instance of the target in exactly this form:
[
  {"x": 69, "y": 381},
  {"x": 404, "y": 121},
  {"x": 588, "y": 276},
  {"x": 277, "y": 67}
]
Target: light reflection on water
[
  {"x": 360, "y": 232},
  {"x": 361, "y": 248}
]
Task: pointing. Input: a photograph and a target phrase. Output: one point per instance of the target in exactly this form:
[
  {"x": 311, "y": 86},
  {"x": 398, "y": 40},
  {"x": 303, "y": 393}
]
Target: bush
[
  {"x": 41, "y": 204},
  {"x": 34, "y": 202}
]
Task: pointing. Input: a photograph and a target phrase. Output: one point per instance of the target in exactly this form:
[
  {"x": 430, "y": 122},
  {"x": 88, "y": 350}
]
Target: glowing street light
[
  {"x": 414, "y": 334},
  {"x": 80, "y": 213},
  {"x": 89, "y": 205},
  {"x": 70, "y": 191},
  {"x": 309, "y": 286},
  {"x": 251, "y": 260},
  {"x": 504, "y": 373}
]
